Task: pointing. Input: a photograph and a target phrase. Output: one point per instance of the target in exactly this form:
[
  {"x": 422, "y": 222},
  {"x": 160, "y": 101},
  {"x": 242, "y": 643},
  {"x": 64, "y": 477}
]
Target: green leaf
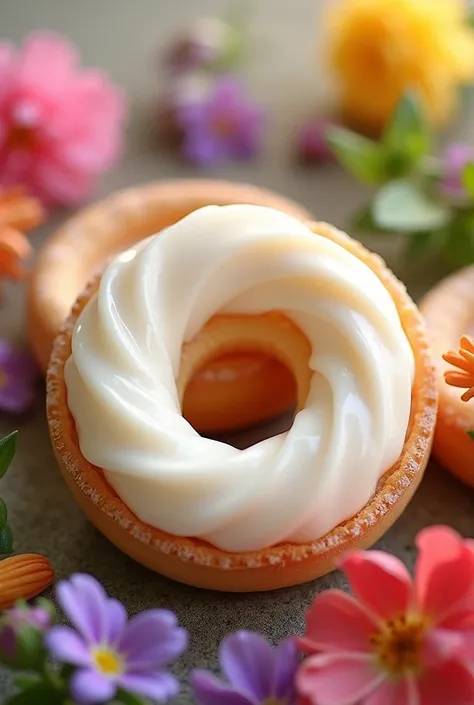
[
  {"x": 467, "y": 178},
  {"x": 7, "y": 451},
  {"x": 362, "y": 157},
  {"x": 471, "y": 434},
  {"x": 27, "y": 680},
  {"x": 6, "y": 540},
  {"x": 42, "y": 694},
  {"x": 129, "y": 698},
  {"x": 3, "y": 514},
  {"x": 459, "y": 248},
  {"x": 407, "y": 137},
  {"x": 419, "y": 243},
  {"x": 402, "y": 207}
]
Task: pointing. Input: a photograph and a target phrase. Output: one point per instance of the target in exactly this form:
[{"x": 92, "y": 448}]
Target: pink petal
[
  {"x": 444, "y": 573},
  {"x": 441, "y": 645},
  {"x": 58, "y": 184},
  {"x": 403, "y": 692},
  {"x": 337, "y": 679},
  {"x": 337, "y": 622},
  {"x": 380, "y": 581},
  {"x": 450, "y": 684},
  {"x": 46, "y": 54},
  {"x": 7, "y": 67}
]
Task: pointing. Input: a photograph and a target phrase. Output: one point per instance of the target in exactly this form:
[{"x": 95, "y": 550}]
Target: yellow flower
[{"x": 379, "y": 49}]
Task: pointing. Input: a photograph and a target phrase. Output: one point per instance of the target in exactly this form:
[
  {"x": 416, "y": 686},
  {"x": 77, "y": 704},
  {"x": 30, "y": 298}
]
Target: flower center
[
  {"x": 108, "y": 662},
  {"x": 399, "y": 643},
  {"x": 223, "y": 127},
  {"x": 21, "y": 138}
]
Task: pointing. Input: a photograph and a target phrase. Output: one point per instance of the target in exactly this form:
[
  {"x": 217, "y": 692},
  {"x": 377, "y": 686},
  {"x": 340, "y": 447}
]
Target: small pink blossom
[
  {"x": 397, "y": 641},
  {"x": 60, "y": 126},
  {"x": 313, "y": 147}
]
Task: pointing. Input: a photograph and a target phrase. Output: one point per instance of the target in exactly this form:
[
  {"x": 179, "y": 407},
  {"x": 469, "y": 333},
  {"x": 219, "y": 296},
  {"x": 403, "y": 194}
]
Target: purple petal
[
  {"x": 66, "y": 646},
  {"x": 84, "y": 601},
  {"x": 116, "y": 619},
  {"x": 88, "y": 686},
  {"x": 18, "y": 363},
  {"x": 152, "y": 639},
  {"x": 158, "y": 686},
  {"x": 16, "y": 396},
  {"x": 204, "y": 149},
  {"x": 285, "y": 665},
  {"x": 210, "y": 691},
  {"x": 247, "y": 661}
]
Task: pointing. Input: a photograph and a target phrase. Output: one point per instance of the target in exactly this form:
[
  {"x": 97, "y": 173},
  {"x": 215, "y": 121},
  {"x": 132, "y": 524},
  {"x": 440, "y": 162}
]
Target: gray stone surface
[{"x": 124, "y": 38}]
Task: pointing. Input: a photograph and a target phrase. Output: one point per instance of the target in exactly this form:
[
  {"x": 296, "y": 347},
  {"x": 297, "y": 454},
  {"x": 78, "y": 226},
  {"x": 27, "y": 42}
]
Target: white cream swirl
[{"x": 121, "y": 380}]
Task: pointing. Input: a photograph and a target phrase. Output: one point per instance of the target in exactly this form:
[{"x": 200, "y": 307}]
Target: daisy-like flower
[
  {"x": 111, "y": 653},
  {"x": 60, "y": 126},
  {"x": 18, "y": 213},
  {"x": 398, "y": 641},
  {"x": 463, "y": 359},
  {"x": 222, "y": 125},
  {"x": 256, "y": 673}
]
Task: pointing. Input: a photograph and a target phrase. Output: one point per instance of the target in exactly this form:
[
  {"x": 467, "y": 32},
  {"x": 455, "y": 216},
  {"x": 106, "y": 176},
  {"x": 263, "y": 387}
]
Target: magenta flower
[
  {"x": 313, "y": 147},
  {"x": 456, "y": 157},
  {"x": 18, "y": 375},
  {"x": 222, "y": 126},
  {"x": 257, "y": 674},
  {"x": 60, "y": 127},
  {"x": 111, "y": 653},
  {"x": 397, "y": 641},
  {"x": 13, "y": 622}
]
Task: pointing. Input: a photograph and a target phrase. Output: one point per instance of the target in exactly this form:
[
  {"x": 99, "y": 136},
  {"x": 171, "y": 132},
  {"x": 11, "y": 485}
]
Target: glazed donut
[
  {"x": 279, "y": 512},
  {"x": 231, "y": 392},
  {"x": 449, "y": 313}
]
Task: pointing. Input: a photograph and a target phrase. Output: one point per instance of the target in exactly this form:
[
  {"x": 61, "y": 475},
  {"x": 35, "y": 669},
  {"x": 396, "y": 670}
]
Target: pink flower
[
  {"x": 60, "y": 127},
  {"x": 313, "y": 147},
  {"x": 398, "y": 641}
]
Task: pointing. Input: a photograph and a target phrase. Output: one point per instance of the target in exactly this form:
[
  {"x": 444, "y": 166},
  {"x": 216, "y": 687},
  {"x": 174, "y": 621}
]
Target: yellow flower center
[
  {"x": 108, "y": 662},
  {"x": 398, "y": 645}
]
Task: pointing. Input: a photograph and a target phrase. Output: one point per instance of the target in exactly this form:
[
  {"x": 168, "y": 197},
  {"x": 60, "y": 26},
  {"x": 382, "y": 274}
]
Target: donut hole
[{"x": 241, "y": 390}]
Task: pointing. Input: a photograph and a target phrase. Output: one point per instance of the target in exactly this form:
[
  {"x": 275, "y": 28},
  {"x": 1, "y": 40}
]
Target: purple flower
[
  {"x": 223, "y": 125},
  {"x": 18, "y": 373},
  {"x": 111, "y": 652},
  {"x": 203, "y": 45},
  {"x": 256, "y": 673},
  {"x": 313, "y": 147},
  {"x": 14, "y": 621},
  {"x": 455, "y": 159}
]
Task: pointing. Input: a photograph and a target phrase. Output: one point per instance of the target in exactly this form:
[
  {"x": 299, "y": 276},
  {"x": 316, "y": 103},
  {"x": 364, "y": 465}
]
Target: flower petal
[
  {"x": 66, "y": 646},
  {"x": 156, "y": 686},
  {"x": 47, "y": 54},
  {"x": 88, "y": 686},
  {"x": 208, "y": 690},
  {"x": 338, "y": 679},
  {"x": 247, "y": 660},
  {"x": 444, "y": 573},
  {"x": 450, "y": 683},
  {"x": 337, "y": 622},
  {"x": 441, "y": 645},
  {"x": 380, "y": 581},
  {"x": 403, "y": 692},
  {"x": 285, "y": 663},
  {"x": 116, "y": 619},
  {"x": 152, "y": 639},
  {"x": 84, "y": 601}
]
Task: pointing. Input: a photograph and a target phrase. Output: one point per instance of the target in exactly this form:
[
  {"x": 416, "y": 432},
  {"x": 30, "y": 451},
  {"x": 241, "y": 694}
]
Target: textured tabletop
[{"x": 124, "y": 38}]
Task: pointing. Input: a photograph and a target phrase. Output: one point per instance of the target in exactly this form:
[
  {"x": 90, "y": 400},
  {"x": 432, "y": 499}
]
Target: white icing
[{"x": 121, "y": 380}]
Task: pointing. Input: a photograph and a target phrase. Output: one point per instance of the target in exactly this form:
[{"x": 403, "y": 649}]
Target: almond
[{"x": 23, "y": 577}]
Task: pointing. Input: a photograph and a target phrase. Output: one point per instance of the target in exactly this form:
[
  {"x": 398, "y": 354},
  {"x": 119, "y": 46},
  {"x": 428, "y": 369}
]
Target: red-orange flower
[
  {"x": 463, "y": 359},
  {"x": 18, "y": 213}
]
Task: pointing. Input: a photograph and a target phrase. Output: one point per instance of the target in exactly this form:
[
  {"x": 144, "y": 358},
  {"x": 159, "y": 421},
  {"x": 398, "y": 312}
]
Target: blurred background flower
[
  {"x": 60, "y": 126},
  {"x": 378, "y": 50}
]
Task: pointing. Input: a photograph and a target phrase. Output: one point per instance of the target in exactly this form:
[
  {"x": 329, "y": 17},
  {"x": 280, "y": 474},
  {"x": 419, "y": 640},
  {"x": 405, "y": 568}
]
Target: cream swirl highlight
[{"x": 126, "y": 348}]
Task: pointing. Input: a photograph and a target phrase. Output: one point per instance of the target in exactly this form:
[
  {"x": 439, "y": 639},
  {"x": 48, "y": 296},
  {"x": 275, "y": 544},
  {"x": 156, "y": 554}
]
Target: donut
[
  {"x": 231, "y": 392},
  {"x": 281, "y": 511},
  {"x": 448, "y": 309}
]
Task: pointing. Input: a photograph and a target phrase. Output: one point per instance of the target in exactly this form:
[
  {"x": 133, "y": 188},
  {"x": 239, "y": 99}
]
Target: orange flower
[
  {"x": 18, "y": 212},
  {"x": 464, "y": 361},
  {"x": 379, "y": 49}
]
